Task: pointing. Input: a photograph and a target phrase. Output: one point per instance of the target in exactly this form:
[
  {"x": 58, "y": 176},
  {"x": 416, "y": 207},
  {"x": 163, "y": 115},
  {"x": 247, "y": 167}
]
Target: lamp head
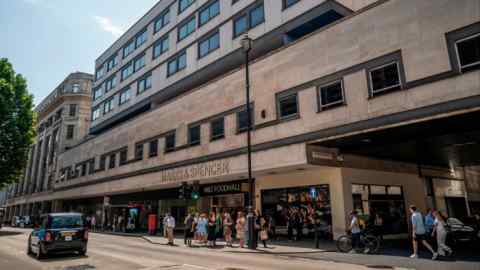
[{"x": 246, "y": 43}]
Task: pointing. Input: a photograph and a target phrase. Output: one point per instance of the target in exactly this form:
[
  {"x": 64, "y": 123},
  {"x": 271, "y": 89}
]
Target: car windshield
[
  {"x": 454, "y": 221},
  {"x": 59, "y": 222}
]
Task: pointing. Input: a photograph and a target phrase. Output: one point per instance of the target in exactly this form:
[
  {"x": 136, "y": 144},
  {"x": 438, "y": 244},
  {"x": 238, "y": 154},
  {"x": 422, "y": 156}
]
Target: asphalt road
[{"x": 119, "y": 252}]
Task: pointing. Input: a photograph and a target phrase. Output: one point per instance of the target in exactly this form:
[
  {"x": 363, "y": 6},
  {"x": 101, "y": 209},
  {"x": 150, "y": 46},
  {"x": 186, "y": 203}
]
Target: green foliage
[{"x": 16, "y": 123}]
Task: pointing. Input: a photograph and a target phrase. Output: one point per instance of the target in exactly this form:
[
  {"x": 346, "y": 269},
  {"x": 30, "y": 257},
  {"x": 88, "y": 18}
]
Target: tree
[{"x": 16, "y": 123}]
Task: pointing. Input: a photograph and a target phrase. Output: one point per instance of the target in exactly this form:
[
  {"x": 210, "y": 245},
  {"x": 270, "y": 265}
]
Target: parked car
[
  {"x": 18, "y": 221},
  {"x": 459, "y": 232},
  {"x": 59, "y": 232}
]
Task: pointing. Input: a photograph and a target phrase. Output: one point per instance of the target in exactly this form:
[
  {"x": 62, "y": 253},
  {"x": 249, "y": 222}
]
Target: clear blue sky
[{"x": 45, "y": 40}]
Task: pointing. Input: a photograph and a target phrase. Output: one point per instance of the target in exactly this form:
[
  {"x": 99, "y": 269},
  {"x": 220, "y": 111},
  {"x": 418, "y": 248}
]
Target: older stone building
[
  {"x": 366, "y": 105},
  {"x": 63, "y": 120}
]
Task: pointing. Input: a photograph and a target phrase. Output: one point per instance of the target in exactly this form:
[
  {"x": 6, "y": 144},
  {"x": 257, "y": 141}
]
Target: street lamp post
[{"x": 252, "y": 243}]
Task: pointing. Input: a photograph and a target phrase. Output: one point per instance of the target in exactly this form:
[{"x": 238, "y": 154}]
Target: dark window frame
[
  {"x": 139, "y": 151},
  {"x": 161, "y": 17},
  {"x": 323, "y": 107},
  {"x": 160, "y": 43},
  {"x": 129, "y": 43},
  {"x": 124, "y": 90},
  {"x": 471, "y": 66},
  {"x": 207, "y": 7},
  {"x": 198, "y": 141},
  {"x": 180, "y": 10},
  {"x": 137, "y": 58},
  {"x": 138, "y": 35},
  {"x": 72, "y": 110},
  {"x": 185, "y": 23},
  {"x": 168, "y": 136},
  {"x": 284, "y": 96},
  {"x": 143, "y": 81},
  {"x": 102, "y": 163},
  {"x": 176, "y": 59},
  {"x": 252, "y": 119},
  {"x": 214, "y": 137},
  {"x": 123, "y": 157},
  {"x": 376, "y": 92},
  {"x": 70, "y": 132},
  {"x": 286, "y": 5},
  {"x": 247, "y": 14},
  {"x": 207, "y": 39},
  {"x": 112, "y": 161},
  {"x": 153, "y": 148},
  {"x": 131, "y": 65}
]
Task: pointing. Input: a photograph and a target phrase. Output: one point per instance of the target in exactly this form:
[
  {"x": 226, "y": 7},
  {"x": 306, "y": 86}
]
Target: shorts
[{"x": 420, "y": 237}]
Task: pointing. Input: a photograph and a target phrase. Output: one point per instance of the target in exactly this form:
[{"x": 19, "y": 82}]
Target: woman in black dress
[
  {"x": 189, "y": 229},
  {"x": 212, "y": 232}
]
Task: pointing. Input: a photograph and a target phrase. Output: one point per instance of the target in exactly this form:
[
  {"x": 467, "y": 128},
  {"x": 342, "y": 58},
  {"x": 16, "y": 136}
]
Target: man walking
[
  {"x": 170, "y": 224},
  {"x": 355, "y": 230},
  {"x": 419, "y": 233}
]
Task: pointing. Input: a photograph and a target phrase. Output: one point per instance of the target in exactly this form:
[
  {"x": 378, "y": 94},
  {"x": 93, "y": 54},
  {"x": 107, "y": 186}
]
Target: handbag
[{"x": 263, "y": 235}]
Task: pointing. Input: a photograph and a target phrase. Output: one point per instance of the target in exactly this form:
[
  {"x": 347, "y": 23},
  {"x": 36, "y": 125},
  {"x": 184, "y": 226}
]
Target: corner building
[{"x": 365, "y": 105}]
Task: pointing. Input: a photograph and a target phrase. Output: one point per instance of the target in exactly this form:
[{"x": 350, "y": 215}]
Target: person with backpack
[{"x": 419, "y": 233}]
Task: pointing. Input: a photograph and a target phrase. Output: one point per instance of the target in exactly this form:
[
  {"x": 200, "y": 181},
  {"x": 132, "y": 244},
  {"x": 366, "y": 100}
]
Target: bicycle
[{"x": 369, "y": 242}]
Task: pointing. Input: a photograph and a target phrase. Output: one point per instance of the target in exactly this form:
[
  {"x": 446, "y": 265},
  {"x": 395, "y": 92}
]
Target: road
[{"x": 107, "y": 252}]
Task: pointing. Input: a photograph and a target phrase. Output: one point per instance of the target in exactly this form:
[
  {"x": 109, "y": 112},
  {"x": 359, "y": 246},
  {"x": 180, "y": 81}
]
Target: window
[
  {"x": 110, "y": 83},
  {"x": 331, "y": 95},
  {"x": 160, "y": 47},
  {"x": 288, "y": 106},
  {"x": 184, "y": 4},
  {"x": 468, "y": 51},
  {"x": 153, "y": 148},
  {"x": 242, "y": 120},
  {"x": 139, "y": 152},
  {"x": 128, "y": 49},
  {"x": 112, "y": 62},
  {"x": 177, "y": 64},
  {"x": 170, "y": 142},
  {"x": 144, "y": 84},
  {"x": 127, "y": 71},
  {"x": 240, "y": 25},
  {"x": 161, "y": 21},
  {"x": 208, "y": 45},
  {"x": 97, "y": 93},
  {"x": 108, "y": 106},
  {"x": 124, "y": 96},
  {"x": 257, "y": 16},
  {"x": 141, "y": 38},
  {"x": 91, "y": 166},
  {"x": 112, "y": 161},
  {"x": 186, "y": 28},
  {"x": 72, "y": 111},
  {"x": 96, "y": 113},
  {"x": 289, "y": 3},
  {"x": 70, "y": 130},
  {"x": 218, "y": 129},
  {"x": 100, "y": 72},
  {"x": 123, "y": 157},
  {"x": 76, "y": 88},
  {"x": 101, "y": 166},
  {"x": 209, "y": 12},
  {"x": 234, "y": 2},
  {"x": 139, "y": 63},
  {"x": 384, "y": 78},
  {"x": 248, "y": 20},
  {"x": 194, "y": 135},
  {"x": 84, "y": 169}
]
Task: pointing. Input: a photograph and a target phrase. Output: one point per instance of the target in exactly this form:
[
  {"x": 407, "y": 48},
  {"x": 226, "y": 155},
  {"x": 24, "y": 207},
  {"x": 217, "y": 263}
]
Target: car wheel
[
  {"x": 40, "y": 252},
  {"x": 82, "y": 252},
  {"x": 29, "y": 247}
]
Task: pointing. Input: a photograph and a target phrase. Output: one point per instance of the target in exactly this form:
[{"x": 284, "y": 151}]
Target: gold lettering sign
[{"x": 194, "y": 172}]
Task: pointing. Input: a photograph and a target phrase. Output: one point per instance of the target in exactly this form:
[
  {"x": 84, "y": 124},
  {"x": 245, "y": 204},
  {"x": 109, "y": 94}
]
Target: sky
[{"x": 45, "y": 40}]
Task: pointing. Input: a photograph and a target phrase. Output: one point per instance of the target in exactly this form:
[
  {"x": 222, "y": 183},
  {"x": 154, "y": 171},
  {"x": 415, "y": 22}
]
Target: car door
[{"x": 38, "y": 233}]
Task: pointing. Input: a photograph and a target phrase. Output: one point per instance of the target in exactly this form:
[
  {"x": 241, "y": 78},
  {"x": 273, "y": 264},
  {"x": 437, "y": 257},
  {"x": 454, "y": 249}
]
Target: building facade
[
  {"x": 62, "y": 121},
  {"x": 356, "y": 105}
]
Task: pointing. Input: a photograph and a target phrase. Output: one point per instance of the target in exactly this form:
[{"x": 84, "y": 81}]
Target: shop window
[
  {"x": 308, "y": 203},
  {"x": 331, "y": 95},
  {"x": 384, "y": 78},
  {"x": 288, "y": 106},
  {"x": 468, "y": 51},
  {"x": 170, "y": 142},
  {"x": 139, "y": 152},
  {"x": 217, "y": 129},
  {"x": 194, "y": 135},
  {"x": 112, "y": 161},
  {"x": 123, "y": 157},
  {"x": 153, "y": 148}
]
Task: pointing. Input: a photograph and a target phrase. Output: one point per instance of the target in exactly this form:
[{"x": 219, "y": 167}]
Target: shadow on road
[
  {"x": 62, "y": 257},
  {"x": 8, "y": 233}
]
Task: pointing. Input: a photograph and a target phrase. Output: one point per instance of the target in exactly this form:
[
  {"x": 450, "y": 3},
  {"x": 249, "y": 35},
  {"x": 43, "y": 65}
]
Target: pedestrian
[
  {"x": 429, "y": 221},
  {"x": 212, "y": 230},
  {"x": 419, "y": 233},
  {"x": 272, "y": 230},
  {"x": 264, "y": 231},
  {"x": 355, "y": 231},
  {"x": 189, "y": 230},
  {"x": 202, "y": 228},
  {"x": 93, "y": 223},
  {"x": 170, "y": 224},
  {"x": 240, "y": 227},
  {"x": 165, "y": 217},
  {"x": 227, "y": 229},
  {"x": 378, "y": 226},
  {"x": 441, "y": 232}
]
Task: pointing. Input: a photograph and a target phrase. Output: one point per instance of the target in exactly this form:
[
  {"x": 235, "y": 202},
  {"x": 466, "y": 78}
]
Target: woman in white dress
[{"x": 439, "y": 228}]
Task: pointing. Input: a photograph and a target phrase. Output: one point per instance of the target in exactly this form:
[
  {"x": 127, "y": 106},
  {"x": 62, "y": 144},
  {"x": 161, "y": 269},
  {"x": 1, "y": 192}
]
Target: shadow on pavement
[
  {"x": 3, "y": 232},
  {"x": 63, "y": 257}
]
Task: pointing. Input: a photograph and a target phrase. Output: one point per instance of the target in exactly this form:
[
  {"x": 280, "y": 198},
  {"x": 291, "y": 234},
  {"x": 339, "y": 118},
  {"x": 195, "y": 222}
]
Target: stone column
[
  {"x": 38, "y": 172},
  {"x": 48, "y": 153},
  {"x": 28, "y": 171},
  {"x": 35, "y": 165},
  {"x": 43, "y": 165}
]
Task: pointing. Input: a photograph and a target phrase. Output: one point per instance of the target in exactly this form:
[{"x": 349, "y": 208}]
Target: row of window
[
  {"x": 245, "y": 21},
  {"x": 124, "y": 95}
]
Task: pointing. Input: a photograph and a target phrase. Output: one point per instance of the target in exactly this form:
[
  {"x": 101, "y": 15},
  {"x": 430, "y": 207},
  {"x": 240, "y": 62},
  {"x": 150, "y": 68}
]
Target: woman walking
[
  {"x": 264, "y": 231},
  {"x": 439, "y": 229},
  {"x": 240, "y": 227},
  {"x": 227, "y": 229},
  {"x": 212, "y": 230},
  {"x": 202, "y": 228}
]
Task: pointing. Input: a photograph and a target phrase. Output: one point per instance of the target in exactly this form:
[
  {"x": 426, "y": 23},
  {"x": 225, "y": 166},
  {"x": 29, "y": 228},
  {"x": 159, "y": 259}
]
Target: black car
[
  {"x": 459, "y": 232},
  {"x": 59, "y": 232}
]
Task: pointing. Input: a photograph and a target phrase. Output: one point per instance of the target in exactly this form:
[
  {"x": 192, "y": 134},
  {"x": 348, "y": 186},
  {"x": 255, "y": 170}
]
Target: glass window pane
[
  {"x": 385, "y": 77},
  {"x": 469, "y": 51},
  {"x": 204, "y": 48},
  {"x": 215, "y": 42},
  {"x": 182, "y": 61},
  {"x": 331, "y": 94},
  {"x": 288, "y": 106},
  {"x": 240, "y": 25},
  {"x": 172, "y": 67},
  {"x": 256, "y": 16}
]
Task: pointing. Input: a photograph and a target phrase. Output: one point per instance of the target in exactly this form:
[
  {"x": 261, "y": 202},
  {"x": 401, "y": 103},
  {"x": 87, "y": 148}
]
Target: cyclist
[{"x": 355, "y": 230}]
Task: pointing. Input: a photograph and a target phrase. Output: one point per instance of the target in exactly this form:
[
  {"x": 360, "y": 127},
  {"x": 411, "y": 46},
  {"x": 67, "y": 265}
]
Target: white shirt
[
  {"x": 354, "y": 225},
  {"x": 440, "y": 225},
  {"x": 171, "y": 222}
]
